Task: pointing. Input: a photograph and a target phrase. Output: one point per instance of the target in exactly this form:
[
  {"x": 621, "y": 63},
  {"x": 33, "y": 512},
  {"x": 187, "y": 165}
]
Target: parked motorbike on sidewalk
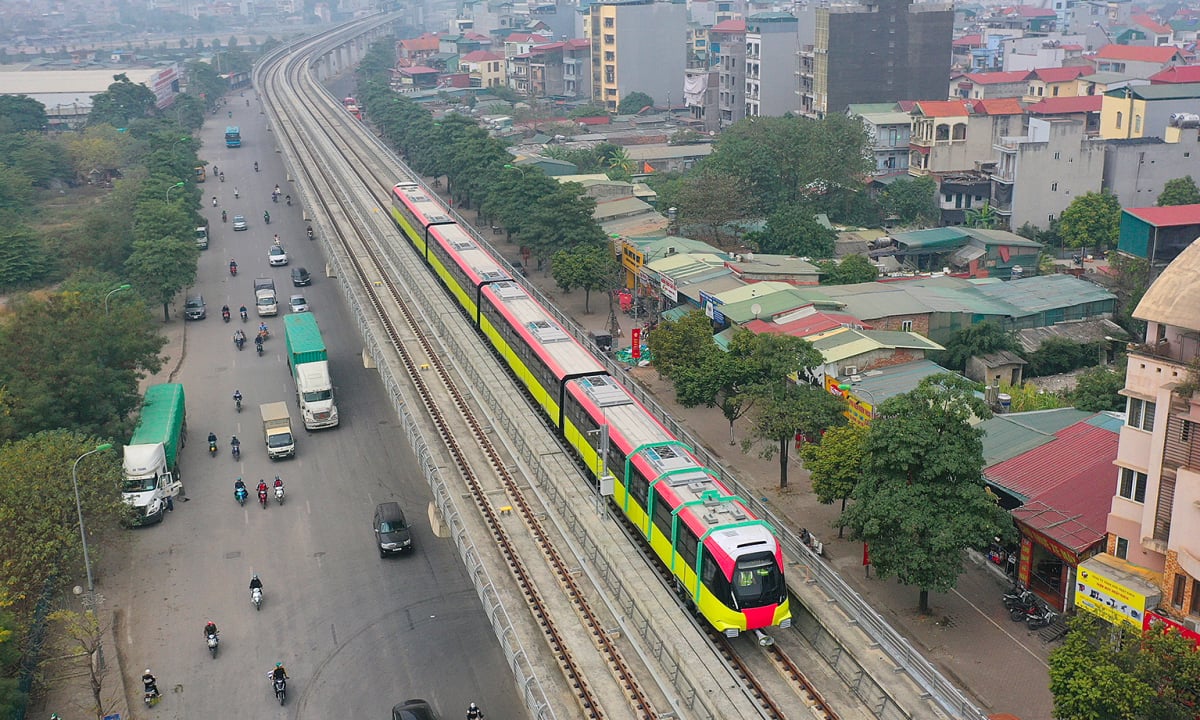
[{"x": 1041, "y": 617}]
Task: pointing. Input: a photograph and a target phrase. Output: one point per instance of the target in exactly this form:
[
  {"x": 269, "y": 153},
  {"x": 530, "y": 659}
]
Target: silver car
[
  {"x": 277, "y": 256},
  {"x": 298, "y": 303},
  {"x": 239, "y": 222}
]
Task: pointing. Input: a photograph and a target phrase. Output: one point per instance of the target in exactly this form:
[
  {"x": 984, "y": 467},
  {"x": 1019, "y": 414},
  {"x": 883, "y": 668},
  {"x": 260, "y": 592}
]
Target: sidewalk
[{"x": 967, "y": 634}]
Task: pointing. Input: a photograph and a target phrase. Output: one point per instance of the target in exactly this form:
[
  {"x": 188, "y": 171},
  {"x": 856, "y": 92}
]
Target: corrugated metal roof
[
  {"x": 643, "y": 153},
  {"x": 842, "y": 343},
  {"x": 748, "y": 291},
  {"x": 900, "y": 339},
  {"x": 769, "y": 305},
  {"x": 1078, "y": 527},
  {"x": 714, "y": 285},
  {"x": 810, "y": 323},
  {"x": 879, "y": 385},
  {"x": 932, "y": 238},
  {"x": 1038, "y": 294},
  {"x": 1081, "y": 454},
  {"x": 1168, "y": 216},
  {"x": 1001, "y": 237},
  {"x": 1007, "y": 436},
  {"x": 875, "y": 300}
]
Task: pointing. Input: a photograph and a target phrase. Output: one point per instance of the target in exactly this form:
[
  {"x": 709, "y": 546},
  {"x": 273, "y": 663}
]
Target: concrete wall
[
  {"x": 776, "y": 81},
  {"x": 1135, "y": 171},
  {"x": 1051, "y": 174},
  {"x": 652, "y": 50}
]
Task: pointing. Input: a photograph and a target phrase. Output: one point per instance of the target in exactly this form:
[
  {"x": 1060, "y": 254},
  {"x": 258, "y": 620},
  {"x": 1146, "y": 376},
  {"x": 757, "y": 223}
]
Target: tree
[
  {"x": 712, "y": 198},
  {"x": 984, "y": 216},
  {"x": 84, "y": 640},
  {"x": 913, "y": 202},
  {"x": 588, "y": 111},
  {"x": 792, "y": 230},
  {"x": 835, "y": 464},
  {"x": 122, "y": 103},
  {"x": 681, "y": 343},
  {"x": 1060, "y": 355},
  {"x": 64, "y": 362},
  {"x": 587, "y": 266},
  {"x": 16, "y": 190},
  {"x": 783, "y": 409},
  {"x": 20, "y": 113},
  {"x": 634, "y": 103},
  {"x": 161, "y": 268},
  {"x": 1133, "y": 278},
  {"x": 1180, "y": 191},
  {"x": 1098, "y": 389},
  {"x": 1091, "y": 219},
  {"x": 12, "y": 700},
  {"x": 1028, "y": 397},
  {"x": 23, "y": 257},
  {"x": 972, "y": 341},
  {"x": 921, "y": 500},
  {"x": 99, "y": 147},
  {"x": 852, "y": 269}
]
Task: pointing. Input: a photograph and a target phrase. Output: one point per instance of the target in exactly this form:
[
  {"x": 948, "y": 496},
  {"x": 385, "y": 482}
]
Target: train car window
[
  {"x": 662, "y": 514},
  {"x": 686, "y": 546},
  {"x": 756, "y": 579},
  {"x": 638, "y": 487},
  {"x": 715, "y": 580}
]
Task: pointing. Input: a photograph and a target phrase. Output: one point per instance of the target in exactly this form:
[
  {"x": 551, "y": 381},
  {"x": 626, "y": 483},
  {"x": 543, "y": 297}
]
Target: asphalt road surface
[{"x": 357, "y": 633}]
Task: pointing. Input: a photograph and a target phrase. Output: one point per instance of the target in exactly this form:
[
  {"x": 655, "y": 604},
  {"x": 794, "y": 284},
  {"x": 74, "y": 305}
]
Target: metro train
[{"x": 727, "y": 564}]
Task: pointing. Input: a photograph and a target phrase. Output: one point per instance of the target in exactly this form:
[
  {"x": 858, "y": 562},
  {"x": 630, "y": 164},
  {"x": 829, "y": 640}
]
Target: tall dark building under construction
[{"x": 875, "y": 51}]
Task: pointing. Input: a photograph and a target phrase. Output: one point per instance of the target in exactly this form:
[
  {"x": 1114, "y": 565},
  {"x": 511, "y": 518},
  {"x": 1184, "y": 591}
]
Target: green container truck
[
  {"x": 151, "y": 461},
  {"x": 309, "y": 363}
]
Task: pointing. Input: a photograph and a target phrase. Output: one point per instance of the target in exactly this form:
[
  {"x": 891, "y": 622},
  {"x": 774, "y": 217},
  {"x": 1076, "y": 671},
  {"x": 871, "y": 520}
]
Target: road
[{"x": 357, "y": 633}]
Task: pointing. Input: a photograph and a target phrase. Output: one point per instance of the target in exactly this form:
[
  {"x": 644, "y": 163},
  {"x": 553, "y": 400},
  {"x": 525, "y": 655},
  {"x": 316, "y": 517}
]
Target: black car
[
  {"x": 392, "y": 532},
  {"x": 300, "y": 277},
  {"x": 415, "y": 709}
]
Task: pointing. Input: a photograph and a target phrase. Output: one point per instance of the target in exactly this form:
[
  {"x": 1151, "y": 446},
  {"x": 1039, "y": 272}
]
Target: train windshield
[{"x": 757, "y": 580}]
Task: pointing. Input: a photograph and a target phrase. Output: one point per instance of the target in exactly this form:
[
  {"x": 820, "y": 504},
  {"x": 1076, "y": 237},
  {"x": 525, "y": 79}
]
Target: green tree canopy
[
  {"x": 782, "y": 409},
  {"x": 1060, "y": 355},
  {"x": 161, "y": 268},
  {"x": 591, "y": 267},
  {"x": 23, "y": 257},
  {"x": 1092, "y": 219},
  {"x": 1099, "y": 388},
  {"x": 634, "y": 102},
  {"x": 682, "y": 343},
  {"x": 912, "y": 201},
  {"x": 852, "y": 269},
  {"x": 973, "y": 340},
  {"x": 20, "y": 113},
  {"x": 835, "y": 463},
  {"x": 921, "y": 500},
  {"x": 122, "y": 103},
  {"x": 1180, "y": 191},
  {"x": 710, "y": 199},
  {"x": 792, "y": 230}
]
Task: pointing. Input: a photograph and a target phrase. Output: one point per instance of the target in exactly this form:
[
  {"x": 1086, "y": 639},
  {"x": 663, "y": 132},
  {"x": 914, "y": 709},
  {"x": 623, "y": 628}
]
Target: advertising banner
[
  {"x": 1153, "y": 617},
  {"x": 668, "y": 288},
  {"x": 1108, "y": 599}
]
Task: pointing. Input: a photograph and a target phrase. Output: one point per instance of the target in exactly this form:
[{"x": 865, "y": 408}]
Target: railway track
[
  {"x": 315, "y": 121},
  {"x": 391, "y": 309}
]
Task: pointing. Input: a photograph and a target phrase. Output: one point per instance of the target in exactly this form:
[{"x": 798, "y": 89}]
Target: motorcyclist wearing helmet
[
  {"x": 262, "y": 486},
  {"x": 210, "y": 628},
  {"x": 150, "y": 683},
  {"x": 279, "y": 673},
  {"x": 255, "y": 582},
  {"x": 474, "y": 713}
]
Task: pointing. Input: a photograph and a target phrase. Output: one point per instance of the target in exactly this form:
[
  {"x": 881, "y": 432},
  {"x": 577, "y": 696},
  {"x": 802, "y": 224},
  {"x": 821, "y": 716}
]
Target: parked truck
[
  {"x": 277, "y": 430},
  {"x": 151, "y": 470},
  {"x": 265, "y": 302},
  {"x": 309, "y": 364}
]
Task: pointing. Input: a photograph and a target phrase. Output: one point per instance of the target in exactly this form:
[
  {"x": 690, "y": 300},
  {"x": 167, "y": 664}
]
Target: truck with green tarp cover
[
  {"x": 151, "y": 459},
  {"x": 309, "y": 363}
]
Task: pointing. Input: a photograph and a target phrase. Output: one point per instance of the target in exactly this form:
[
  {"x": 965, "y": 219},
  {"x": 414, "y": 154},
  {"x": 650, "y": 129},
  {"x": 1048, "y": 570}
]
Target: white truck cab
[{"x": 148, "y": 483}]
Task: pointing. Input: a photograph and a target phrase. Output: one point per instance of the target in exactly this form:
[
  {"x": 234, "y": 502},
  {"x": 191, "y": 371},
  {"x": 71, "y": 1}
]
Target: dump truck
[
  {"x": 265, "y": 301},
  {"x": 309, "y": 364},
  {"x": 277, "y": 430},
  {"x": 151, "y": 469}
]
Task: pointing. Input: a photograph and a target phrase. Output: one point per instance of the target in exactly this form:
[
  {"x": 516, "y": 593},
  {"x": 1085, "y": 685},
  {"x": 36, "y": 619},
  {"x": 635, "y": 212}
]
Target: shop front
[{"x": 1053, "y": 544}]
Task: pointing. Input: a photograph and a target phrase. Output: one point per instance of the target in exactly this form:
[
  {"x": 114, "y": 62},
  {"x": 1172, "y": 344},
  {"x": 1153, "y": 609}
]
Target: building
[
  {"x": 1136, "y": 170},
  {"x": 554, "y": 70},
  {"x": 1038, "y": 174},
  {"x": 1158, "y": 234},
  {"x": 1084, "y": 108},
  {"x": 637, "y": 46},
  {"x": 728, "y": 42},
  {"x": 771, "y": 44},
  {"x": 977, "y": 86},
  {"x": 1145, "y": 110},
  {"x": 486, "y": 68},
  {"x": 1152, "y": 522},
  {"x": 1137, "y": 60},
  {"x": 1052, "y": 82},
  {"x": 1041, "y": 51},
  {"x": 876, "y": 51},
  {"x": 888, "y": 129},
  {"x": 1177, "y": 74},
  {"x": 701, "y": 94}
]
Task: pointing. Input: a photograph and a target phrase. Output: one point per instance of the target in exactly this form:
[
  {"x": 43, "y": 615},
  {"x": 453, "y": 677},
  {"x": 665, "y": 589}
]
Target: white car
[
  {"x": 298, "y": 303},
  {"x": 277, "y": 256}
]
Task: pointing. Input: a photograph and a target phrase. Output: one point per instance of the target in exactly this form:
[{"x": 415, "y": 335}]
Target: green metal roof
[
  {"x": 1045, "y": 292},
  {"x": 1007, "y": 436},
  {"x": 1001, "y": 237},
  {"x": 946, "y": 237},
  {"x": 1169, "y": 91},
  {"x": 769, "y": 305}
]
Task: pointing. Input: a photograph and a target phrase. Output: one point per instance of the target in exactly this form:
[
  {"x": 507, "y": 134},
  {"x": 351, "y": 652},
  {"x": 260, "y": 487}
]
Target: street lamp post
[
  {"x": 516, "y": 167},
  {"x": 176, "y": 185},
  {"x": 110, "y": 293},
  {"x": 87, "y": 562}
]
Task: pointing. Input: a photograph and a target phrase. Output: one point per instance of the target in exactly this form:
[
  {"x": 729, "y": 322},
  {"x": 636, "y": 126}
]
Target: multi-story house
[
  {"x": 729, "y": 43},
  {"x": 637, "y": 46},
  {"x": 888, "y": 129},
  {"x": 486, "y": 68},
  {"x": 1138, "y": 61},
  {"x": 1052, "y": 82},
  {"x": 978, "y": 86},
  {"x": 560, "y": 19},
  {"x": 1030, "y": 53},
  {"x": 1177, "y": 74},
  {"x": 952, "y": 141},
  {"x": 1136, "y": 170},
  {"x": 714, "y": 12},
  {"x": 699, "y": 45},
  {"x": 546, "y": 69},
  {"x": 1039, "y": 173},
  {"x": 1154, "y": 521},
  {"x": 1156, "y": 33},
  {"x": 517, "y": 59},
  {"x": 877, "y": 51},
  {"x": 771, "y": 45},
  {"x": 700, "y": 94},
  {"x": 1145, "y": 110}
]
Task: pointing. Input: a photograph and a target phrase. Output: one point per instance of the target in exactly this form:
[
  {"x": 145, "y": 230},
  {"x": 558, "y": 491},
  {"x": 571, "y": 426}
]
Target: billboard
[{"x": 1108, "y": 599}]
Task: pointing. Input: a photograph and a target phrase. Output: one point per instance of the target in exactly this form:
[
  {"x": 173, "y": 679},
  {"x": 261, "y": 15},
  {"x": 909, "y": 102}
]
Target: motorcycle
[
  {"x": 236, "y": 450},
  {"x": 262, "y": 498},
  {"x": 274, "y": 198},
  {"x": 232, "y": 272},
  {"x": 245, "y": 315},
  {"x": 240, "y": 342},
  {"x": 289, "y": 200},
  {"x": 258, "y": 346},
  {"x": 222, "y": 176},
  {"x": 225, "y": 315},
  {"x": 267, "y": 218},
  {"x": 212, "y": 644},
  {"x": 1023, "y": 613},
  {"x": 1040, "y": 618},
  {"x": 256, "y": 598},
  {"x": 310, "y": 234},
  {"x": 151, "y": 698},
  {"x": 264, "y": 334},
  {"x": 255, "y": 166},
  {"x": 281, "y": 689},
  {"x": 1017, "y": 597},
  {"x": 279, "y": 494},
  {"x": 239, "y": 494},
  {"x": 212, "y": 448},
  {"x": 237, "y": 400}
]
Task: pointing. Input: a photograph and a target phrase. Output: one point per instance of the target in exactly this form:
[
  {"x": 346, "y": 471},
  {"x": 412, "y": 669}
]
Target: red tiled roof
[
  {"x": 1177, "y": 74},
  {"x": 1169, "y": 216},
  {"x": 472, "y": 35},
  {"x": 550, "y": 46},
  {"x": 1061, "y": 74},
  {"x": 1140, "y": 53},
  {"x": 906, "y": 105},
  {"x": 808, "y": 325},
  {"x": 526, "y": 37},
  {"x": 1079, "y": 458},
  {"x": 1028, "y": 11},
  {"x": 480, "y": 56},
  {"x": 968, "y": 41},
  {"x": 1071, "y": 46},
  {"x": 941, "y": 108},
  {"x": 418, "y": 70},
  {"x": 731, "y": 26},
  {"x": 996, "y": 78},
  {"x": 1066, "y": 105},
  {"x": 575, "y": 43},
  {"x": 1151, "y": 24},
  {"x": 997, "y": 106},
  {"x": 427, "y": 41}
]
